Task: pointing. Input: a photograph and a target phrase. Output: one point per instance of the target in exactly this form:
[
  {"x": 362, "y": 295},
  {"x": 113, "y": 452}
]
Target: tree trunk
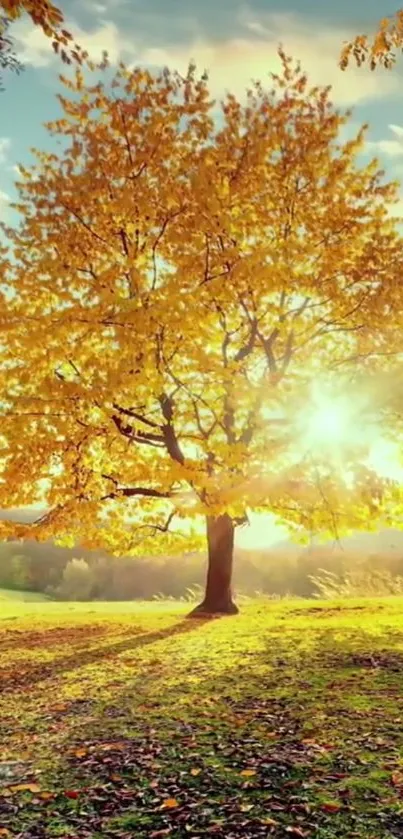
[{"x": 218, "y": 596}]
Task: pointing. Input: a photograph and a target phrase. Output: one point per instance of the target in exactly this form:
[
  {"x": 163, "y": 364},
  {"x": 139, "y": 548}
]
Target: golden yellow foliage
[
  {"x": 380, "y": 49},
  {"x": 50, "y": 18},
  {"x": 180, "y": 277}
]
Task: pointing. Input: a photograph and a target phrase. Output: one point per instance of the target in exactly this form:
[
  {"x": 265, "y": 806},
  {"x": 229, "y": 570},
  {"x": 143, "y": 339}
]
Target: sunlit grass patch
[{"x": 284, "y": 720}]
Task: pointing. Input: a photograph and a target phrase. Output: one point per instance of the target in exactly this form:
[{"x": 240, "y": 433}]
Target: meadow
[{"x": 121, "y": 720}]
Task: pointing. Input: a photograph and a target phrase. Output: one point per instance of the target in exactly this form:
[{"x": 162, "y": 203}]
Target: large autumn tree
[{"x": 184, "y": 282}]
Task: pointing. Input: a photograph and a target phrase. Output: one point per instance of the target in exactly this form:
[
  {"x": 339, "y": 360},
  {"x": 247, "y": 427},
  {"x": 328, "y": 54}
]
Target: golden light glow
[
  {"x": 330, "y": 423},
  {"x": 335, "y": 423}
]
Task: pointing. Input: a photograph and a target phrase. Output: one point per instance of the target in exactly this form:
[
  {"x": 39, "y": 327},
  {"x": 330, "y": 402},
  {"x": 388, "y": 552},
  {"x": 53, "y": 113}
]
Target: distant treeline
[{"x": 77, "y": 574}]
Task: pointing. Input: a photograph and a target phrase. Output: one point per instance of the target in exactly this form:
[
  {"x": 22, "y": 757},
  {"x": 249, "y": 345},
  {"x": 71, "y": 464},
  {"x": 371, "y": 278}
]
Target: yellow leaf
[
  {"x": 169, "y": 804},
  {"x": 331, "y": 806},
  {"x": 195, "y": 772},
  {"x": 247, "y": 773},
  {"x": 24, "y": 788}
]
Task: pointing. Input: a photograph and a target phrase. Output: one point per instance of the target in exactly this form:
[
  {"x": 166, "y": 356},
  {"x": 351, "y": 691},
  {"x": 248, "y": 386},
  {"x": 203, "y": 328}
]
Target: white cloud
[
  {"x": 93, "y": 7},
  {"x": 4, "y": 201},
  {"x": 34, "y": 48},
  {"x": 5, "y": 144},
  {"x": 390, "y": 148},
  {"x": 396, "y": 210},
  {"x": 232, "y": 63}
]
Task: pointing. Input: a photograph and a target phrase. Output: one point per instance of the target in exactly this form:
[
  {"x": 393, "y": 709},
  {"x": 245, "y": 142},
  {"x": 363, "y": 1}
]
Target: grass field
[
  {"x": 127, "y": 720},
  {"x": 22, "y": 596}
]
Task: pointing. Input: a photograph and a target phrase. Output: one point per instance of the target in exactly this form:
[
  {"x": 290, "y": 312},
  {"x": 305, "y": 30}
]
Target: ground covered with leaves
[{"x": 125, "y": 720}]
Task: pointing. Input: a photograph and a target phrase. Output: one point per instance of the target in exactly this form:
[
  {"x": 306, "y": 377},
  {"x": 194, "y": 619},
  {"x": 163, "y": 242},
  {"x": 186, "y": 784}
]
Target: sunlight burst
[{"x": 332, "y": 423}]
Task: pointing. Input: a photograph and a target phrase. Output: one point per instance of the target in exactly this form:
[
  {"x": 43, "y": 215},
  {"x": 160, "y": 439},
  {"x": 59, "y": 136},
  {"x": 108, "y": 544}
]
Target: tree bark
[{"x": 218, "y": 595}]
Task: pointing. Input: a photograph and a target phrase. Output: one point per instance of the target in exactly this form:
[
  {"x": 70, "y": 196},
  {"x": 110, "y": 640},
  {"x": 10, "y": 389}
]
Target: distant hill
[
  {"x": 384, "y": 542},
  {"x": 22, "y": 596}
]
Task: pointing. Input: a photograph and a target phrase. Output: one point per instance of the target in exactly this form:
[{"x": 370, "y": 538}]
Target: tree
[
  {"x": 77, "y": 582},
  {"x": 21, "y": 573},
  {"x": 381, "y": 49},
  {"x": 179, "y": 285}
]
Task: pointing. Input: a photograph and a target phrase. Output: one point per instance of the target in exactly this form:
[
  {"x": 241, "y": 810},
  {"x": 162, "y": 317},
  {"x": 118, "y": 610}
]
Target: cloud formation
[
  {"x": 35, "y": 49},
  {"x": 232, "y": 63},
  {"x": 248, "y": 52},
  {"x": 391, "y": 148}
]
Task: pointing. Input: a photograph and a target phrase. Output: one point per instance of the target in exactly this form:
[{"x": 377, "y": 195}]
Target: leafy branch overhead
[
  {"x": 378, "y": 50},
  {"x": 50, "y": 19}
]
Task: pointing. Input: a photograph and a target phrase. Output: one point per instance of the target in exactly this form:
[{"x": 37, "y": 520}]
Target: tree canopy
[{"x": 184, "y": 279}]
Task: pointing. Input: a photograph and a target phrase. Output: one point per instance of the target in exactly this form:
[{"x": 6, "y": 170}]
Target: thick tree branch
[
  {"x": 131, "y": 412},
  {"x": 267, "y": 344},
  {"x": 246, "y": 350},
  {"x": 168, "y": 432},
  {"x": 131, "y": 492},
  {"x": 145, "y": 437}
]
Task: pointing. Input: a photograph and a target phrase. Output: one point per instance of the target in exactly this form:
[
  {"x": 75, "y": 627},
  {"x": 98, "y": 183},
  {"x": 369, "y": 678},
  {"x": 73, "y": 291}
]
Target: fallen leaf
[
  {"x": 169, "y": 804},
  {"x": 71, "y": 793},
  {"x": 45, "y": 796},
  {"x": 269, "y": 822},
  {"x": 331, "y": 806},
  {"x": 81, "y": 752},
  {"x": 108, "y": 747},
  {"x": 24, "y": 788},
  {"x": 247, "y": 773},
  {"x": 195, "y": 772}
]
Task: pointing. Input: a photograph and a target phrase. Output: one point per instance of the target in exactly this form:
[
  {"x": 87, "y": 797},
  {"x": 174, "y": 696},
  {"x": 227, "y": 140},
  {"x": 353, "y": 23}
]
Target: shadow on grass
[
  {"x": 20, "y": 639},
  {"x": 28, "y": 676},
  {"x": 313, "y": 720},
  {"x": 302, "y": 738}
]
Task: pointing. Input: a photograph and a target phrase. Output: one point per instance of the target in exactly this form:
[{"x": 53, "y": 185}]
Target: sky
[{"x": 235, "y": 42}]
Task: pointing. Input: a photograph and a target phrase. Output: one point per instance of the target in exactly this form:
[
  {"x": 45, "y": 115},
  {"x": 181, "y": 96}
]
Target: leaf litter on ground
[{"x": 283, "y": 721}]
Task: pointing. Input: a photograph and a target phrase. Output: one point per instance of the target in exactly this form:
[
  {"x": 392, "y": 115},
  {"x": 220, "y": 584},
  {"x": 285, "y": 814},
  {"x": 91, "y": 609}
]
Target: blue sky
[{"x": 235, "y": 41}]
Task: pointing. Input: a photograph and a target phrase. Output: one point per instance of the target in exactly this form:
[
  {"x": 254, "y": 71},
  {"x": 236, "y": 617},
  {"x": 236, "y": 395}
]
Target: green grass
[
  {"x": 284, "y": 721},
  {"x": 21, "y": 596}
]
